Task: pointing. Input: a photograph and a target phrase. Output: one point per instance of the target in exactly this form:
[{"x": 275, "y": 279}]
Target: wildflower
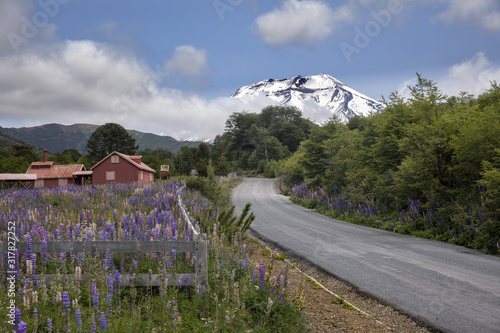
[
  {"x": 78, "y": 273},
  {"x": 262, "y": 276},
  {"x": 65, "y": 300},
  {"x": 117, "y": 279},
  {"x": 93, "y": 328},
  {"x": 49, "y": 325},
  {"x": 44, "y": 252},
  {"x": 103, "y": 321},
  {"x": 245, "y": 264},
  {"x": 22, "y": 327},
  {"x": 95, "y": 295},
  {"x": 26, "y": 301},
  {"x": 33, "y": 263},
  {"x": 75, "y": 303},
  {"x": 58, "y": 296},
  {"x": 186, "y": 280},
  {"x": 35, "y": 316},
  {"x": 269, "y": 305},
  {"x": 78, "y": 317}
]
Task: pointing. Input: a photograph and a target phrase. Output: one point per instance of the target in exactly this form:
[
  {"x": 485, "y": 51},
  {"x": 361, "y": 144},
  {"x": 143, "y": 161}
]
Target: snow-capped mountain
[{"x": 317, "y": 96}]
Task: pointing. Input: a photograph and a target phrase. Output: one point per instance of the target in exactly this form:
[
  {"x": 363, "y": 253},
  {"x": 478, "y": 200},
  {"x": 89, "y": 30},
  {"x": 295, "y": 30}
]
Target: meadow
[{"x": 86, "y": 293}]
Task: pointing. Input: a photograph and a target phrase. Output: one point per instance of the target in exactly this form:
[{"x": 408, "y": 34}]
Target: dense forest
[{"x": 428, "y": 165}]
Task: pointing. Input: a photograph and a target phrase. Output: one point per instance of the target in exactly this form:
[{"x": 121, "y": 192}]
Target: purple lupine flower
[
  {"x": 22, "y": 327},
  {"x": 78, "y": 317},
  {"x": 33, "y": 262},
  {"x": 117, "y": 279},
  {"x": 49, "y": 325},
  {"x": 68, "y": 232},
  {"x": 76, "y": 231},
  {"x": 103, "y": 321},
  {"x": 254, "y": 275},
  {"x": 65, "y": 300},
  {"x": 95, "y": 296},
  {"x": 35, "y": 316},
  {"x": 27, "y": 239},
  {"x": 262, "y": 276},
  {"x": 93, "y": 328},
  {"x": 17, "y": 318},
  {"x": 109, "y": 297},
  {"x": 245, "y": 264},
  {"x": 122, "y": 265}
]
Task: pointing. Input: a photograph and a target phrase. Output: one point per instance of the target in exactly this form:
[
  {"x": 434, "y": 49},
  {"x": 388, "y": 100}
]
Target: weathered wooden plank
[
  {"x": 140, "y": 280},
  {"x": 112, "y": 246},
  {"x": 201, "y": 255}
]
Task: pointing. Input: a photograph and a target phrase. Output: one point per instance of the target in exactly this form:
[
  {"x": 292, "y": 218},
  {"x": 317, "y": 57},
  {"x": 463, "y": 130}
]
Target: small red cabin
[
  {"x": 121, "y": 168},
  {"x": 50, "y": 175}
]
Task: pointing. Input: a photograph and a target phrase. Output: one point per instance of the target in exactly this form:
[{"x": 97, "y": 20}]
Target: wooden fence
[{"x": 197, "y": 245}]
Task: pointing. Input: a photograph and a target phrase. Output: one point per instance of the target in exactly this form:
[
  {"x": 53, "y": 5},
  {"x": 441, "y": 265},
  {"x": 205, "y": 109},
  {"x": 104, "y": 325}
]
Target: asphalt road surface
[{"x": 451, "y": 288}]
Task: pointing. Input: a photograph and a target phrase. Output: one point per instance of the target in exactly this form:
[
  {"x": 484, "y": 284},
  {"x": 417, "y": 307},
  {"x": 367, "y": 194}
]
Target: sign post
[{"x": 164, "y": 171}]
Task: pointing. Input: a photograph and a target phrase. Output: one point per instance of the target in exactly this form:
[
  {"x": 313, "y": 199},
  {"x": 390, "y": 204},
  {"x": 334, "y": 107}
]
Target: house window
[
  {"x": 142, "y": 175},
  {"x": 115, "y": 159},
  {"x": 62, "y": 181},
  {"x": 110, "y": 175},
  {"x": 150, "y": 177}
]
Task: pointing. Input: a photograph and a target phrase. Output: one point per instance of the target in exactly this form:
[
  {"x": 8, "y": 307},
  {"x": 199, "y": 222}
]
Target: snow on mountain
[{"x": 317, "y": 96}]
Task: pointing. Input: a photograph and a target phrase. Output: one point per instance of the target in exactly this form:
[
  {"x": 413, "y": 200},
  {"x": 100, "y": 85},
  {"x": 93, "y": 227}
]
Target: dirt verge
[{"x": 331, "y": 305}]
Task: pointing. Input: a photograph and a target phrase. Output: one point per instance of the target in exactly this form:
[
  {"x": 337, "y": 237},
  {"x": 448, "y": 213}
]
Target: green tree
[{"x": 108, "y": 138}]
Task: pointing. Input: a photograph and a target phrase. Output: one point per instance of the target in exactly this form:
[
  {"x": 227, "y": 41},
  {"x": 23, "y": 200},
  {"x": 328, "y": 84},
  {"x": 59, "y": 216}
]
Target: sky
[{"x": 169, "y": 66}]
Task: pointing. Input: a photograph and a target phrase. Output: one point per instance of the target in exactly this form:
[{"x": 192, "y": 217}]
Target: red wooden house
[
  {"x": 121, "y": 168},
  {"x": 50, "y": 175}
]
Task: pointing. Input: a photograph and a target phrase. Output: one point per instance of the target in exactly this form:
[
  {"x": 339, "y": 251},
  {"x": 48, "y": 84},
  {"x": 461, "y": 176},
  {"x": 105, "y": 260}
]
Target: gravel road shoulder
[{"x": 329, "y": 304}]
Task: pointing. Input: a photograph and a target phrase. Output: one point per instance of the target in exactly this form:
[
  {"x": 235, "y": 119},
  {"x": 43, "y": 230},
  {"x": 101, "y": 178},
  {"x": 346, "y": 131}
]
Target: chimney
[{"x": 45, "y": 155}]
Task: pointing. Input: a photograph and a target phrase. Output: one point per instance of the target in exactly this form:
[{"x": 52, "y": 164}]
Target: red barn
[
  {"x": 50, "y": 175},
  {"x": 121, "y": 168}
]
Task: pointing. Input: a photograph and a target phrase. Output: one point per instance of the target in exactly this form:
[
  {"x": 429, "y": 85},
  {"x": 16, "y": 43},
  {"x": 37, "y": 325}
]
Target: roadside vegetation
[{"x": 237, "y": 296}]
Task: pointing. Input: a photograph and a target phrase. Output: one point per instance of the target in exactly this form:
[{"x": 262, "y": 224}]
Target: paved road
[{"x": 450, "y": 288}]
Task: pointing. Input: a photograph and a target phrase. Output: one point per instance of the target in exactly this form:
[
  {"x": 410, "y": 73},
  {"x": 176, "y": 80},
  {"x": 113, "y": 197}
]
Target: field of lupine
[
  {"x": 236, "y": 297},
  {"x": 467, "y": 226}
]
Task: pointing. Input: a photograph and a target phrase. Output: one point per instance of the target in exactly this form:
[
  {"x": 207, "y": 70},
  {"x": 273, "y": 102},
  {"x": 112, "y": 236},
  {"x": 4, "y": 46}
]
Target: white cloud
[
  {"x": 298, "y": 22},
  {"x": 188, "y": 61},
  {"x": 87, "y": 82},
  {"x": 484, "y": 13},
  {"x": 474, "y": 76}
]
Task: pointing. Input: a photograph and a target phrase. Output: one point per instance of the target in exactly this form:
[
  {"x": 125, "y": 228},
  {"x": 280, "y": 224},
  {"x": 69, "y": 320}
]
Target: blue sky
[{"x": 167, "y": 67}]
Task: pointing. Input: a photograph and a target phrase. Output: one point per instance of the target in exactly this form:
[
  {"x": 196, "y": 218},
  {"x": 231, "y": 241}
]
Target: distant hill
[
  {"x": 57, "y": 137},
  {"x": 6, "y": 140}
]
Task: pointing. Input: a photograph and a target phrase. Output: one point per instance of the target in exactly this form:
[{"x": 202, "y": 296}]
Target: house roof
[
  {"x": 17, "y": 177},
  {"x": 56, "y": 171},
  {"x": 130, "y": 159},
  {"x": 49, "y": 163}
]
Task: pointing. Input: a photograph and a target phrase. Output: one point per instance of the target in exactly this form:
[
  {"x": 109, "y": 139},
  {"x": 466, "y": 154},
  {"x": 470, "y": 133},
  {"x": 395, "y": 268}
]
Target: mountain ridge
[{"x": 57, "y": 137}]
